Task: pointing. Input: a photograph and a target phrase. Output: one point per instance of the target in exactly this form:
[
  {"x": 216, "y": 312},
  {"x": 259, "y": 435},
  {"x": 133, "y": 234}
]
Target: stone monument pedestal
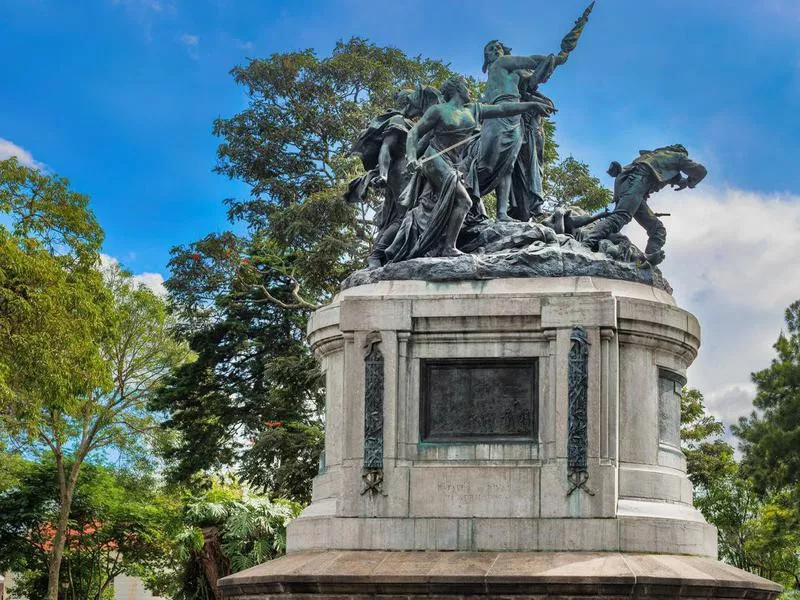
[{"x": 506, "y": 437}]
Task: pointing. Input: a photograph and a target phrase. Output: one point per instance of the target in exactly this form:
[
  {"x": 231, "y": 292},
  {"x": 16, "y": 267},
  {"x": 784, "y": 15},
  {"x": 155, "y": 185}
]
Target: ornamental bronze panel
[
  {"x": 482, "y": 399},
  {"x": 578, "y": 415},
  {"x": 373, "y": 409}
]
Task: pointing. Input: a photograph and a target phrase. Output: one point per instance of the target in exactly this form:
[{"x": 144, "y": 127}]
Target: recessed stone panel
[
  {"x": 670, "y": 385},
  {"x": 474, "y": 492}
]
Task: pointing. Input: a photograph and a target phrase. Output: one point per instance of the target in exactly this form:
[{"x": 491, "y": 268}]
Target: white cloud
[
  {"x": 192, "y": 43},
  {"x": 9, "y": 149},
  {"x": 190, "y": 40},
  {"x": 732, "y": 259},
  {"x": 742, "y": 246},
  {"x": 732, "y": 401},
  {"x": 244, "y": 45},
  {"x": 146, "y": 14},
  {"x": 107, "y": 260},
  {"x": 153, "y": 281}
]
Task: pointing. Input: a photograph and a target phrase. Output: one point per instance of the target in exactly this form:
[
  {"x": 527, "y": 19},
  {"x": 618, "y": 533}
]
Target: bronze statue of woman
[
  {"x": 501, "y": 140},
  {"x": 509, "y": 79},
  {"x": 440, "y": 193}
]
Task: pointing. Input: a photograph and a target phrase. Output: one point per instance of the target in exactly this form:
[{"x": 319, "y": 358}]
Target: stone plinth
[
  {"x": 462, "y": 575},
  {"x": 493, "y": 493},
  {"x": 469, "y": 418}
]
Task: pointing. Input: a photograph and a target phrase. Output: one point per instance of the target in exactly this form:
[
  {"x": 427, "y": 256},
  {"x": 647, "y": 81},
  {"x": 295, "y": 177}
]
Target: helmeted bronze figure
[{"x": 633, "y": 184}]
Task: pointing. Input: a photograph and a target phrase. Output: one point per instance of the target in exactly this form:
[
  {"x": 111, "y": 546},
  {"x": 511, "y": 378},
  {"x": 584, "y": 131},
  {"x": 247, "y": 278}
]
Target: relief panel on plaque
[{"x": 478, "y": 399}]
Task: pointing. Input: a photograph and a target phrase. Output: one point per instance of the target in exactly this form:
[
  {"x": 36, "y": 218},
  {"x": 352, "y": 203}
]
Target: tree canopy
[
  {"x": 770, "y": 436},
  {"x": 223, "y": 530},
  {"x": 709, "y": 457},
  {"x": 115, "y": 526},
  {"x": 753, "y": 504}
]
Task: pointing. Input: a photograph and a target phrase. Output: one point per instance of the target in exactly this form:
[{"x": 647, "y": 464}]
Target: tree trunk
[
  {"x": 57, "y": 552},
  {"x": 215, "y": 563},
  {"x": 66, "y": 488}
]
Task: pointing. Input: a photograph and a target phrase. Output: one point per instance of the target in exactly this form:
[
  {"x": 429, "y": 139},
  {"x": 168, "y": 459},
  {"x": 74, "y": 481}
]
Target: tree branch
[{"x": 300, "y": 302}]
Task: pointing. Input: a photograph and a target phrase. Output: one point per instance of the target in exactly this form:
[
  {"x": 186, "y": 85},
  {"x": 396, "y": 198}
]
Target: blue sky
[{"x": 120, "y": 95}]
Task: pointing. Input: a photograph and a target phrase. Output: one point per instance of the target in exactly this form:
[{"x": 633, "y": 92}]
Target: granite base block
[
  {"x": 630, "y": 534},
  {"x": 358, "y": 575}
]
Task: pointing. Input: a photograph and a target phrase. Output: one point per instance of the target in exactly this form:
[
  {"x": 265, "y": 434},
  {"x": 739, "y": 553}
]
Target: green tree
[
  {"x": 116, "y": 525},
  {"x": 252, "y": 369},
  {"x": 754, "y": 509},
  {"x": 53, "y": 317},
  {"x": 11, "y": 467},
  {"x": 708, "y": 456},
  {"x": 79, "y": 354},
  {"x": 757, "y": 533},
  {"x": 770, "y": 443},
  {"x": 568, "y": 182},
  {"x": 770, "y": 438}
]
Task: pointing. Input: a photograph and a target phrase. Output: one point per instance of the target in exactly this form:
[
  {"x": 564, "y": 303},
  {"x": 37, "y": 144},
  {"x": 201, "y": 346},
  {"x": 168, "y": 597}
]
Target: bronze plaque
[{"x": 482, "y": 399}]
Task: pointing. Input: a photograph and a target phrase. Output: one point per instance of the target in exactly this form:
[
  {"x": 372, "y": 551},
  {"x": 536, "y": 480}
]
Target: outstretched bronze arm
[
  {"x": 514, "y": 63},
  {"x": 508, "y": 109}
]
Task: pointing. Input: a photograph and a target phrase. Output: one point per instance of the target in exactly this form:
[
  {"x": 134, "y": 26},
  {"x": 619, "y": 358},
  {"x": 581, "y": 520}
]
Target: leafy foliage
[
  {"x": 756, "y": 532},
  {"x": 770, "y": 438},
  {"x": 708, "y": 456},
  {"x": 45, "y": 213},
  {"x": 252, "y": 368},
  {"x": 569, "y": 183},
  {"x": 224, "y": 531},
  {"x": 291, "y": 146},
  {"x": 760, "y": 534},
  {"x": 115, "y": 526},
  {"x": 53, "y": 303},
  {"x": 54, "y": 317},
  {"x": 770, "y": 470},
  {"x": 754, "y": 505},
  {"x": 79, "y": 352}
]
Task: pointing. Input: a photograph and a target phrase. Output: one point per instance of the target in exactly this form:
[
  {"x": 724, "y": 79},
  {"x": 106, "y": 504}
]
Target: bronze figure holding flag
[{"x": 518, "y": 184}]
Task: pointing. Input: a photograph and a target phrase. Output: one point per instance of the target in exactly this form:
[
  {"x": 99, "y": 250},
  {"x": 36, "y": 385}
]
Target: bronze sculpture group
[{"x": 437, "y": 153}]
